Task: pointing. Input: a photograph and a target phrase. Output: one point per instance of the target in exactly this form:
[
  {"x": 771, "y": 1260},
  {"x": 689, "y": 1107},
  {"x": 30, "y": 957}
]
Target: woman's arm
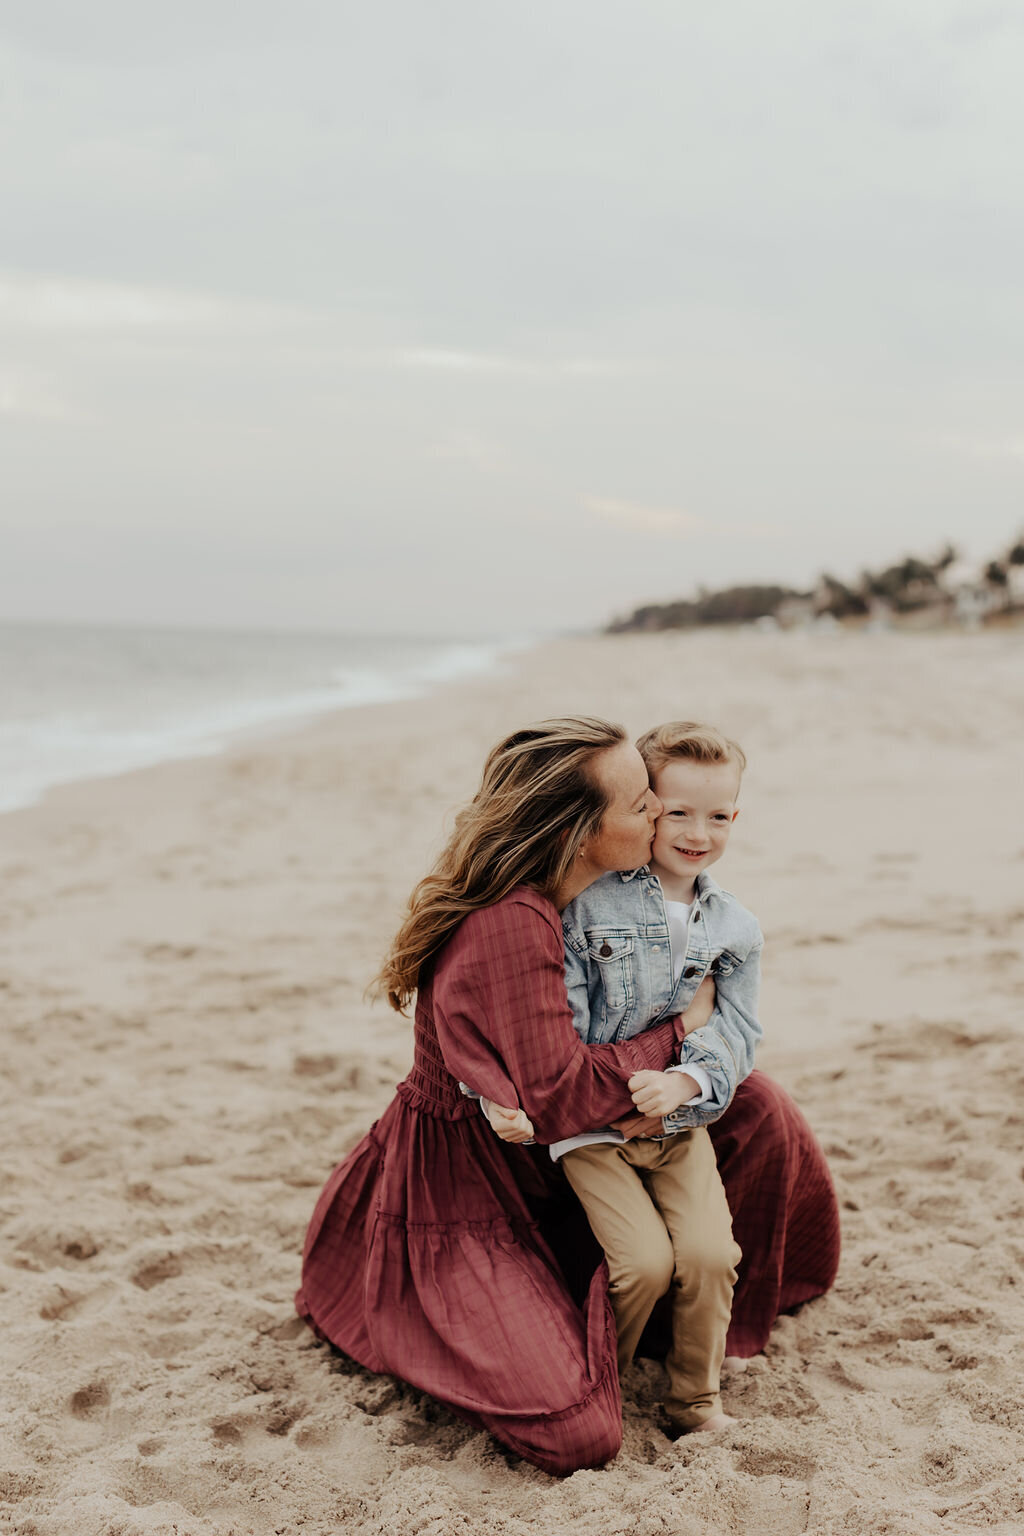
[
  {"x": 514, "y": 1126},
  {"x": 503, "y": 1022}
]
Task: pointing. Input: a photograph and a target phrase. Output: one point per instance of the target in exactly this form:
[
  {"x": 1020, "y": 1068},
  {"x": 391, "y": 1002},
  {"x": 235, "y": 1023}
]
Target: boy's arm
[
  {"x": 659, "y": 1093},
  {"x": 725, "y": 1046}
]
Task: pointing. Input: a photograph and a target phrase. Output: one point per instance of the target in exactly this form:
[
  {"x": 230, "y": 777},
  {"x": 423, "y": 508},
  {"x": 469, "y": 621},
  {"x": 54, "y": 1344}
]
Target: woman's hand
[
  {"x": 508, "y": 1124},
  {"x": 702, "y": 1005}
]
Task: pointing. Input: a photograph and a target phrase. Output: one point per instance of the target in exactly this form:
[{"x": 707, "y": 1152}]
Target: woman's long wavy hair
[{"x": 538, "y": 803}]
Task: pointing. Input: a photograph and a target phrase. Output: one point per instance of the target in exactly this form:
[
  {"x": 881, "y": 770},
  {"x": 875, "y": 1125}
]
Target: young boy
[{"x": 637, "y": 947}]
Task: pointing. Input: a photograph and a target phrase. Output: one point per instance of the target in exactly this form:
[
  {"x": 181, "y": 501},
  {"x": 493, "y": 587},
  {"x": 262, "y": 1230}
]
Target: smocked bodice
[{"x": 430, "y": 1087}]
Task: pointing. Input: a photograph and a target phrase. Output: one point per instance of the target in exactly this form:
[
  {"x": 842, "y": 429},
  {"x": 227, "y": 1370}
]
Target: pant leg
[
  {"x": 630, "y": 1229},
  {"x": 684, "y": 1184}
]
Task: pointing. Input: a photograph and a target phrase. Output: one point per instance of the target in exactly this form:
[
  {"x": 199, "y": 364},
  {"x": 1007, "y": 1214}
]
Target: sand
[{"x": 187, "y": 1052}]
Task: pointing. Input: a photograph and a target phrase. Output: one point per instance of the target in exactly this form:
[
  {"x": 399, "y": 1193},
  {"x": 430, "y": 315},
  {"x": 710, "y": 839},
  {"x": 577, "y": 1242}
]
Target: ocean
[{"x": 83, "y": 702}]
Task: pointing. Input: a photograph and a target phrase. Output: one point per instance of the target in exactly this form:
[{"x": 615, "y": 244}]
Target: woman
[{"x": 429, "y": 1254}]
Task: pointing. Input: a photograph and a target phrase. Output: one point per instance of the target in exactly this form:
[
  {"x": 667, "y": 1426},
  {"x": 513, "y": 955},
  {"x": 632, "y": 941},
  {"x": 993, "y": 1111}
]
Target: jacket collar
[{"x": 706, "y": 889}]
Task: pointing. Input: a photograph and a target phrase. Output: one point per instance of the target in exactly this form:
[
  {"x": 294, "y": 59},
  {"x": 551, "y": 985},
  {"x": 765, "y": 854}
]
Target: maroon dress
[{"x": 431, "y": 1253}]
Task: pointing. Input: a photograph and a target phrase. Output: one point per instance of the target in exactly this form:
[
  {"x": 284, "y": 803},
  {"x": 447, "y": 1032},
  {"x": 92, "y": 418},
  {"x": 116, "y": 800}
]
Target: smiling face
[{"x": 698, "y": 810}]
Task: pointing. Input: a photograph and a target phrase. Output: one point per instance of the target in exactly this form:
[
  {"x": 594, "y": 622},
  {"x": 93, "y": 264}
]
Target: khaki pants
[{"x": 659, "y": 1211}]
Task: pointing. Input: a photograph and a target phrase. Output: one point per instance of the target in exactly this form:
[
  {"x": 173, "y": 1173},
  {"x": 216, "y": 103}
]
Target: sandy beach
[{"x": 188, "y": 1051}]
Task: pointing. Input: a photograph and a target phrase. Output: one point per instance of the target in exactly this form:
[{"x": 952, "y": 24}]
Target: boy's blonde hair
[{"x": 689, "y": 741}]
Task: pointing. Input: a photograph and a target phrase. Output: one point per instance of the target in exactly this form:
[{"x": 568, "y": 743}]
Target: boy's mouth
[{"x": 693, "y": 853}]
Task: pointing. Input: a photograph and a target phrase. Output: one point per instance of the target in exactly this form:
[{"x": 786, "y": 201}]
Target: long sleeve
[
  {"x": 725, "y": 1046},
  {"x": 505, "y": 1027}
]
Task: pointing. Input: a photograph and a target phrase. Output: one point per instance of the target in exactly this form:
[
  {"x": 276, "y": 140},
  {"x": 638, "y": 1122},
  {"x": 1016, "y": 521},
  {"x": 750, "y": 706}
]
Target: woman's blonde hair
[
  {"x": 538, "y": 803},
  {"x": 690, "y": 741}
]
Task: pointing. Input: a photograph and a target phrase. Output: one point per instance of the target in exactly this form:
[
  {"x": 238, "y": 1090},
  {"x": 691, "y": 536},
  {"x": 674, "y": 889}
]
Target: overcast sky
[{"x": 465, "y": 318}]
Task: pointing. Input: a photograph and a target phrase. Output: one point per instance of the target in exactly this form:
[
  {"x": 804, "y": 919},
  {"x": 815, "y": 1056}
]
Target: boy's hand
[
  {"x": 511, "y": 1124},
  {"x": 702, "y": 1005},
  {"x": 659, "y": 1093}
]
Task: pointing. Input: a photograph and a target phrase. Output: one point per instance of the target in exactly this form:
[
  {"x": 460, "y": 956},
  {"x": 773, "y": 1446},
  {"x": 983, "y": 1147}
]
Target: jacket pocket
[{"x": 610, "y": 954}]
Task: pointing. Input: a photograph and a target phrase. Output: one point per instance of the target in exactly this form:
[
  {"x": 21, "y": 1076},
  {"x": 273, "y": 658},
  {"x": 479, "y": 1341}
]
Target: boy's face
[{"x": 698, "y": 810}]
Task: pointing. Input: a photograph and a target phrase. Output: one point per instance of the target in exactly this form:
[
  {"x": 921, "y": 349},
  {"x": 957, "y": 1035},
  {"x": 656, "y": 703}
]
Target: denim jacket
[{"x": 618, "y": 970}]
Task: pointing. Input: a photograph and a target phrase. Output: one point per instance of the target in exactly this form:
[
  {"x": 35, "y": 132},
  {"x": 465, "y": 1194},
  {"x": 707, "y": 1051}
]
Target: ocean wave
[{"x": 93, "y": 704}]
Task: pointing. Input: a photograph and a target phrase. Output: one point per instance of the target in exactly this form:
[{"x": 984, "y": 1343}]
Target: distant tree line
[
  {"x": 734, "y": 605},
  {"x": 907, "y": 587}
]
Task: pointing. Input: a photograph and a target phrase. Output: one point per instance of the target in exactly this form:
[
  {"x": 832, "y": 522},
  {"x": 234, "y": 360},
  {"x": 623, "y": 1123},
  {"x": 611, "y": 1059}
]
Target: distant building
[
  {"x": 880, "y": 614},
  {"x": 795, "y": 612},
  {"x": 971, "y": 597}
]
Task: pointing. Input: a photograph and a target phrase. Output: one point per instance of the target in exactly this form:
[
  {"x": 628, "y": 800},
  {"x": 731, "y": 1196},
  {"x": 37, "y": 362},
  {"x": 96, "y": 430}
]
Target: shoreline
[
  {"x": 189, "y": 1051},
  {"x": 279, "y": 728},
  {"x": 105, "y": 721}
]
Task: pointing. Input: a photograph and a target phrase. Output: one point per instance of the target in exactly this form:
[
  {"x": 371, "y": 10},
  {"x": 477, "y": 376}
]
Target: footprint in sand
[
  {"x": 156, "y": 1271},
  {"x": 290, "y": 1328},
  {"x": 90, "y": 1401},
  {"x": 151, "y": 1124},
  {"x": 170, "y": 951},
  {"x": 776, "y": 1463},
  {"x": 39, "y": 1250},
  {"x": 281, "y": 1420},
  {"x": 226, "y": 1433},
  {"x": 60, "y": 1304},
  {"x": 341, "y": 1072}
]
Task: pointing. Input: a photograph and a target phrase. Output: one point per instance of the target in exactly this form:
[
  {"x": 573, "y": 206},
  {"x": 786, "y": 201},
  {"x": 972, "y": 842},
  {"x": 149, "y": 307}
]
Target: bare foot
[
  {"x": 734, "y": 1365},
  {"x": 716, "y": 1421}
]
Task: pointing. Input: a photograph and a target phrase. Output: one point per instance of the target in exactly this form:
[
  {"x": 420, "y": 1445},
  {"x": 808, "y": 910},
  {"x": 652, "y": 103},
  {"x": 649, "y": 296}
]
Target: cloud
[
  {"x": 630, "y": 514},
  {"x": 460, "y": 447},
  {"x": 759, "y": 530},
  {"x": 986, "y": 448},
  {"x": 35, "y": 302},
  {"x": 26, "y": 399},
  {"x": 451, "y": 360},
  {"x": 443, "y": 360}
]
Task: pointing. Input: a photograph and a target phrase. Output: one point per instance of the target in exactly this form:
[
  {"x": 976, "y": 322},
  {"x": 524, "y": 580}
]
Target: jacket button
[
  {"x": 605, "y": 949},
  {"x": 696, "y": 916},
  {"x": 691, "y": 970}
]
